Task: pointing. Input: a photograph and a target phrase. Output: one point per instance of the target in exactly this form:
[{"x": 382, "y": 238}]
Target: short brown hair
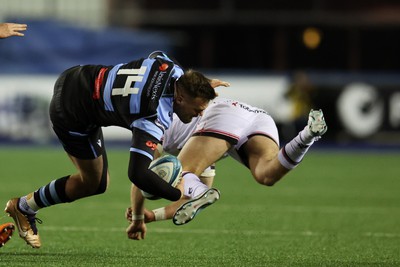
[{"x": 196, "y": 84}]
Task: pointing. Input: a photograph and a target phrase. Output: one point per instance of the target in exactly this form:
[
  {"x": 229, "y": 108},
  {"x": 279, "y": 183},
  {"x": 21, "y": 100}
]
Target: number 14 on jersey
[{"x": 132, "y": 75}]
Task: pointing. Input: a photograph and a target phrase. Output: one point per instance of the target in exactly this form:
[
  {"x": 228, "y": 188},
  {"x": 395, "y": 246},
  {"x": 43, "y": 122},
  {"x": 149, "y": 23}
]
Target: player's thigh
[
  {"x": 261, "y": 152},
  {"x": 86, "y": 150},
  {"x": 91, "y": 170},
  {"x": 199, "y": 152}
]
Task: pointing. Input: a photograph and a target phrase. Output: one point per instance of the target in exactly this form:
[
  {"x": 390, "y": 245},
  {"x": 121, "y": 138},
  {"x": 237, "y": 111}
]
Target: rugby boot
[{"x": 25, "y": 223}]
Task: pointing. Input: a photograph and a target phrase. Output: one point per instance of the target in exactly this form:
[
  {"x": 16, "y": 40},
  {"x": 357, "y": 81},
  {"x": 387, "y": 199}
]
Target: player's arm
[
  {"x": 216, "y": 83},
  {"x": 135, "y": 213},
  {"x": 137, "y": 202},
  {"x": 137, "y": 228},
  {"x": 137, "y": 199},
  {"x": 141, "y": 154},
  {"x": 149, "y": 181},
  {"x": 167, "y": 212}
]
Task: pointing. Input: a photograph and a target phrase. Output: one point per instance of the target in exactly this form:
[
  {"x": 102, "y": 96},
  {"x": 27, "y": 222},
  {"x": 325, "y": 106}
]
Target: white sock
[
  {"x": 306, "y": 137},
  {"x": 159, "y": 214},
  {"x": 193, "y": 187},
  {"x": 24, "y": 205},
  {"x": 294, "y": 151}
]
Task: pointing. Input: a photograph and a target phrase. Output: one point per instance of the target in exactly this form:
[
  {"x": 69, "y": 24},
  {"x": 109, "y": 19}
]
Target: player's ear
[
  {"x": 179, "y": 99},
  {"x": 178, "y": 95}
]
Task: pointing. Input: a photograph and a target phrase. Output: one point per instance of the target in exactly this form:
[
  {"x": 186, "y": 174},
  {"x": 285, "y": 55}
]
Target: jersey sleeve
[
  {"x": 164, "y": 56},
  {"x": 153, "y": 128}
]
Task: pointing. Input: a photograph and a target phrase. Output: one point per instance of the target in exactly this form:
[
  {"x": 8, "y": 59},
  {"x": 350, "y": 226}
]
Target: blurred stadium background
[{"x": 285, "y": 56}]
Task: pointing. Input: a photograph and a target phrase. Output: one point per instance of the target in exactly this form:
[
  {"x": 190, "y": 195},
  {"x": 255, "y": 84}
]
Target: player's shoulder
[
  {"x": 161, "y": 55},
  {"x": 158, "y": 54}
]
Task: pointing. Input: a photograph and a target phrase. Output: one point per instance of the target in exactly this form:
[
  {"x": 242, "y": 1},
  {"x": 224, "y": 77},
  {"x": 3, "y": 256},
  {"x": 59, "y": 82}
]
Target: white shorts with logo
[{"x": 226, "y": 119}]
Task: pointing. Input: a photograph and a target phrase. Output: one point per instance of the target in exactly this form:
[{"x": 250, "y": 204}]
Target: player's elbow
[
  {"x": 135, "y": 179},
  {"x": 139, "y": 180}
]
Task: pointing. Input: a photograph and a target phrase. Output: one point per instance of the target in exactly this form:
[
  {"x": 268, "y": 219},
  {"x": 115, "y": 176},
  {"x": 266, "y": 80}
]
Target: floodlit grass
[{"x": 335, "y": 209}]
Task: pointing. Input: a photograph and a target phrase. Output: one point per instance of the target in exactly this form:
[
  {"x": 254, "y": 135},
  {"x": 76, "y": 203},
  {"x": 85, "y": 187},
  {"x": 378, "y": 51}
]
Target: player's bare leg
[
  {"x": 193, "y": 164},
  {"x": 262, "y": 154},
  {"x": 197, "y": 154},
  {"x": 91, "y": 179},
  {"x": 86, "y": 182},
  {"x": 268, "y": 165},
  {"x": 202, "y": 151}
]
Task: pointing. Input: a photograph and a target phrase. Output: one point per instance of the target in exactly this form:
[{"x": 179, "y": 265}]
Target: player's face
[{"x": 187, "y": 107}]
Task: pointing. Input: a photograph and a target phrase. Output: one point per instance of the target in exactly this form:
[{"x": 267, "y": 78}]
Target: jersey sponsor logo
[
  {"x": 157, "y": 81},
  {"x": 248, "y": 108},
  {"x": 163, "y": 67},
  {"x": 157, "y": 85},
  {"x": 151, "y": 145}
]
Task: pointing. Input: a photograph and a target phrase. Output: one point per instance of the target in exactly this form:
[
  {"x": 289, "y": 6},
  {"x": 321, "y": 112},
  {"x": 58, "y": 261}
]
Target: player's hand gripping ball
[
  {"x": 169, "y": 168},
  {"x": 6, "y": 231}
]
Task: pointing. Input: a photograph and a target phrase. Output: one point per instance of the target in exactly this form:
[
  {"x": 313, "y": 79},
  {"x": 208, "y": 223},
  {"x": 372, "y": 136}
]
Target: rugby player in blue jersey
[{"x": 140, "y": 96}]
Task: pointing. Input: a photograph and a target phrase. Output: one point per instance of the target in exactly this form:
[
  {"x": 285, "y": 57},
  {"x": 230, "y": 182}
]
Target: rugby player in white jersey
[{"x": 228, "y": 127}]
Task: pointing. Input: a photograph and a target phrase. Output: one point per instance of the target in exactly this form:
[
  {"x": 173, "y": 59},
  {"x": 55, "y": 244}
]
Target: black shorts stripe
[{"x": 229, "y": 139}]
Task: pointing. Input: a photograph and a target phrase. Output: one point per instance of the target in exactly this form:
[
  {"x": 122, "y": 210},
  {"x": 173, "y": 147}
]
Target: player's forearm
[
  {"x": 147, "y": 180},
  {"x": 137, "y": 201}
]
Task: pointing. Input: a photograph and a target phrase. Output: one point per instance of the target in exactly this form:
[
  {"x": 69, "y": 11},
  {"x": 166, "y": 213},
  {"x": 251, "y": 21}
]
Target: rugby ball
[{"x": 169, "y": 168}]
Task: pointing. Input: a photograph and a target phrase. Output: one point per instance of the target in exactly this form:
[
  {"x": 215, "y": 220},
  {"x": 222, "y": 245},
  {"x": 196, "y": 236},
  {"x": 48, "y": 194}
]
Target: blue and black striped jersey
[{"x": 138, "y": 94}]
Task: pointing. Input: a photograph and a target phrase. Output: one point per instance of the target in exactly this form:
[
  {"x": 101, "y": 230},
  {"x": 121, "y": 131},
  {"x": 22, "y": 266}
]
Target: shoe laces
[{"x": 32, "y": 222}]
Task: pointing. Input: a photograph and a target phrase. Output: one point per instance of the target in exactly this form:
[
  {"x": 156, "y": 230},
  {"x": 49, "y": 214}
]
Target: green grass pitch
[{"x": 335, "y": 209}]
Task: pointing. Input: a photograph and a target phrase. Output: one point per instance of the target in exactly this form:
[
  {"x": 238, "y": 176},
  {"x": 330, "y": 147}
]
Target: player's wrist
[{"x": 137, "y": 217}]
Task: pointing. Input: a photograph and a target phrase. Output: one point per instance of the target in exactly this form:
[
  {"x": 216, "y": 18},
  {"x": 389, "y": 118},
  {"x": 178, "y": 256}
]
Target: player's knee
[
  {"x": 95, "y": 186},
  {"x": 268, "y": 181},
  {"x": 103, "y": 184}
]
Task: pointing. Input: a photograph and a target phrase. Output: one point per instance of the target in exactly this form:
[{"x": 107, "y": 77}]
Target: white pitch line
[
  {"x": 209, "y": 231},
  {"x": 388, "y": 235},
  {"x": 176, "y": 230}
]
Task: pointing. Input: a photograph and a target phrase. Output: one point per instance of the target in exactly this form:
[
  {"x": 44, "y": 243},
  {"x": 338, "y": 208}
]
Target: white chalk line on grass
[
  {"x": 211, "y": 231},
  {"x": 323, "y": 209}
]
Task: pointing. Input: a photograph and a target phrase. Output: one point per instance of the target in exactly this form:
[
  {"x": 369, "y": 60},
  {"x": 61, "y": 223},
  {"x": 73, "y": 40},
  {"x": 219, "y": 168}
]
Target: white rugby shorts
[{"x": 227, "y": 119}]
